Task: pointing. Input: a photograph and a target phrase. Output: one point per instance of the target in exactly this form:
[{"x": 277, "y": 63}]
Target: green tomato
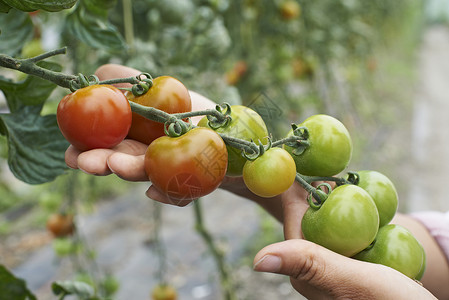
[
  {"x": 247, "y": 125},
  {"x": 270, "y": 174},
  {"x": 346, "y": 222},
  {"x": 330, "y": 147},
  {"x": 383, "y": 192},
  {"x": 396, "y": 247}
]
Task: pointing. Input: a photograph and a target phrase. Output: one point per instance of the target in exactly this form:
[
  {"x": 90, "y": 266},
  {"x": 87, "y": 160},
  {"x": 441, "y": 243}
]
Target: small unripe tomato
[
  {"x": 290, "y": 9},
  {"x": 61, "y": 225},
  {"x": 163, "y": 292},
  {"x": 270, "y": 174}
]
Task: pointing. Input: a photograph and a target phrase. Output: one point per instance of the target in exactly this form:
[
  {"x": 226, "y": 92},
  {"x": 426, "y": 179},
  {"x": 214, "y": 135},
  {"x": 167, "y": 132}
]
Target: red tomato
[
  {"x": 97, "y": 116},
  {"x": 189, "y": 166},
  {"x": 167, "y": 94}
]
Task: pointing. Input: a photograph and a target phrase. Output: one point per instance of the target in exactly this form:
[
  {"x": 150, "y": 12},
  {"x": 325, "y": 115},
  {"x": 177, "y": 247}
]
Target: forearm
[{"x": 436, "y": 276}]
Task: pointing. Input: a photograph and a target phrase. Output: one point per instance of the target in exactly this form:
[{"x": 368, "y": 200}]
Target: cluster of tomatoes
[{"x": 352, "y": 219}]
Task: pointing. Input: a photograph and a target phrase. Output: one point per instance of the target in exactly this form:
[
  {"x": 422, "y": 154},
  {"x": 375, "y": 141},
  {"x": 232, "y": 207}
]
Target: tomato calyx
[
  {"x": 83, "y": 81},
  {"x": 177, "y": 127},
  {"x": 317, "y": 198},
  {"x": 222, "y": 119},
  {"x": 145, "y": 82},
  {"x": 353, "y": 177},
  {"x": 299, "y": 139},
  {"x": 253, "y": 155}
]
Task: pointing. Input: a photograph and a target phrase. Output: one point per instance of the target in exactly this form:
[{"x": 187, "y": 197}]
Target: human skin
[{"x": 126, "y": 160}]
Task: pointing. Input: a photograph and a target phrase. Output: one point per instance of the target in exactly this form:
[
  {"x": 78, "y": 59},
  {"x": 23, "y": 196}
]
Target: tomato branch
[{"x": 29, "y": 66}]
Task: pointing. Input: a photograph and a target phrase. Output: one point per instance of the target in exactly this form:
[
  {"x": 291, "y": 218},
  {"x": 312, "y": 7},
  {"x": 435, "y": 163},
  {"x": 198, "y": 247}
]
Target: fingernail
[
  {"x": 88, "y": 173},
  {"x": 268, "y": 263}
]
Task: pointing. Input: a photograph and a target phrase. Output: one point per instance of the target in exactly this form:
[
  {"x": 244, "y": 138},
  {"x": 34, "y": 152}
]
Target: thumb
[
  {"x": 300, "y": 259},
  {"x": 315, "y": 272}
]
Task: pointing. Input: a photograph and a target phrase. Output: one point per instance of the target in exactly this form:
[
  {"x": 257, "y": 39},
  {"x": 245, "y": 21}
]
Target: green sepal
[{"x": 215, "y": 122}]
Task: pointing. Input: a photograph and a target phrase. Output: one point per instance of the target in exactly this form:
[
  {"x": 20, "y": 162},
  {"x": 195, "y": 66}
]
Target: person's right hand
[{"x": 318, "y": 273}]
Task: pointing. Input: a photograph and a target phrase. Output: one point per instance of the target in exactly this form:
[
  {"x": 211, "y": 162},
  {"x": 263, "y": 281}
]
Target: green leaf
[
  {"x": 81, "y": 289},
  {"x": 13, "y": 288},
  {"x": 32, "y": 5},
  {"x": 31, "y": 91},
  {"x": 95, "y": 30},
  {"x": 4, "y": 8},
  {"x": 99, "y": 7},
  {"x": 35, "y": 145},
  {"x": 16, "y": 29}
]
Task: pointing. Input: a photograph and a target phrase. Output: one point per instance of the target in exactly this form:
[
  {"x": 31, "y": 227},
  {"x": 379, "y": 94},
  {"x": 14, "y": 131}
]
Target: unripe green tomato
[
  {"x": 383, "y": 192},
  {"x": 32, "y": 48},
  {"x": 270, "y": 174},
  {"x": 347, "y": 222},
  {"x": 396, "y": 247},
  {"x": 330, "y": 147},
  {"x": 247, "y": 125}
]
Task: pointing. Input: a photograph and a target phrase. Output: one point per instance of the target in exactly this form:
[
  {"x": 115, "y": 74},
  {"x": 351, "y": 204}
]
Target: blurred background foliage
[{"x": 287, "y": 59}]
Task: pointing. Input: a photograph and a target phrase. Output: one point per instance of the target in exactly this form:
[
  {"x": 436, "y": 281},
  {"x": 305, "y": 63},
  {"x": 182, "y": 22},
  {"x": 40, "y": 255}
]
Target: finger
[
  {"x": 317, "y": 272},
  {"x": 294, "y": 205},
  {"x": 94, "y": 161},
  {"x": 112, "y": 71},
  {"x": 313, "y": 269},
  {"x": 71, "y": 157},
  {"x": 128, "y": 167},
  {"x": 199, "y": 102},
  {"x": 131, "y": 147},
  {"x": 155, "y": 194}
]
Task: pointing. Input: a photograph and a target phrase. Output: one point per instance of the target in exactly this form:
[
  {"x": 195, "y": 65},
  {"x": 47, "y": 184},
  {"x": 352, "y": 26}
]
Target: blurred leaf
[
  {"x": 35, "y": 145},
  {"x": 32, "y": 5},
  {"x": 13, "y": 288},
  {"x": 91, "y": 26},
  {"x": 31, "y": 91},
  {"x": 80, "y": 289},
  {"x": 4, "y": 8},
  {"x": 99, "y": 7},
  {"x": 16, "y": 29}
]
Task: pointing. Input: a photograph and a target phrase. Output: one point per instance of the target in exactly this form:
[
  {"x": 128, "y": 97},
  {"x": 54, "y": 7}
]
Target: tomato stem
[
  {"x": 217, "y": 253},
  {"x": 316, "y": 197},
  {"x": 337, "y": 180},
  {"x": 292, "y": 139}
]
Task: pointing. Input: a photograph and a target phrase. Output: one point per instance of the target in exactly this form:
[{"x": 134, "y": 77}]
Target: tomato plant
[
  {"x": 329, "y": 150},
  {"x": 383, "y": 192},
  {"x": 346, "y": 222},
  {"x": 167, "y": 94},
  {"x": 189, "y": 166},
  {"x": 97, "y": 116},
  {"x": 164, "y": 292},
  {"x": 61, "y": 225},
  {"x": 246, "y": 124},
  {"x": 396, "y": 247},
  {"x": 270, "y": 174}
]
